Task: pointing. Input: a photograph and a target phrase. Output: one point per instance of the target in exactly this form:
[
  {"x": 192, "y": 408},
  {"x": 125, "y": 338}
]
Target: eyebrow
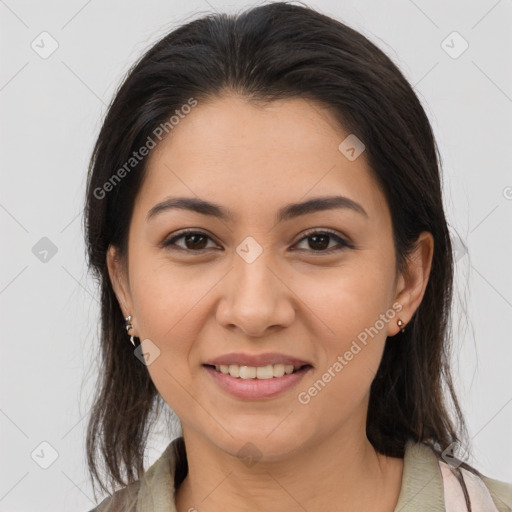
[{"x": 287, "y": 212}]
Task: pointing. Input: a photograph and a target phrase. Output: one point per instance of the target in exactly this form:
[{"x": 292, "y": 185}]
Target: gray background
[{"x": 51, "y": 113}]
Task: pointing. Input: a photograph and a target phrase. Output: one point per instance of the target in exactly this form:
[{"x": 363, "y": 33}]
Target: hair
[{"x": 266, "y": 53}]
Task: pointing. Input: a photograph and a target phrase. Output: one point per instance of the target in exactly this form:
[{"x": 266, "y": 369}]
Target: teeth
[
  {"x": 255, "y": 372},
  {"x": 248, "y": 372}
]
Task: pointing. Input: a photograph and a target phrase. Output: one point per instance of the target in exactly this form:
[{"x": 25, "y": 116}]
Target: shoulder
[
  {"x": 423, "y": 482},
  {"x": 155, "y": 486},
  {"x": 123, "y": 500},
  {"x": 501, "y": 493}
]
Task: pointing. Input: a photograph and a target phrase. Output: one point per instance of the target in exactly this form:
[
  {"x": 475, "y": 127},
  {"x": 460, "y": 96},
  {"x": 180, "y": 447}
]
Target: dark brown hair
[{"x": 278, "y": 51}]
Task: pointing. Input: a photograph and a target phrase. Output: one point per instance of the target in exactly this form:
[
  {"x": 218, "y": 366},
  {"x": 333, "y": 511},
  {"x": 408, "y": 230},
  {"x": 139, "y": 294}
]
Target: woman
[{"x": 265, "y": 217}]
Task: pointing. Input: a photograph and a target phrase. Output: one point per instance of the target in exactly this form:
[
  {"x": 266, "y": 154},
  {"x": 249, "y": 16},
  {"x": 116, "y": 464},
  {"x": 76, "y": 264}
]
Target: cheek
[
  {"x": 349, "y": 360},
  {"x": 352, "y": 312},
  {"x": 349, "y": 299},
  {"x": 167, "y": 298},
  {"x": 169, "y": 308}
]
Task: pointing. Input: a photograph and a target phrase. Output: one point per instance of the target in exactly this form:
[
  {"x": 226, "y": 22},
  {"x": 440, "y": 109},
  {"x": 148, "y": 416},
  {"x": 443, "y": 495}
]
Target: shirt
[{"x": 425, "y": 487}]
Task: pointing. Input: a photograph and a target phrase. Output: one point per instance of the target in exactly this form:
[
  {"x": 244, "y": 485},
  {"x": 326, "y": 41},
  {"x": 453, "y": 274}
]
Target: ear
[
  {"x": 118, "y": 274},
  {"x": 411, "y": 283}
]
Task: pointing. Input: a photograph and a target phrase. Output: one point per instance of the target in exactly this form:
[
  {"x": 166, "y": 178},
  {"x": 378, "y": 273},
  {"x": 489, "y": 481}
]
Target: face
[{"x": 314, "y": 287}]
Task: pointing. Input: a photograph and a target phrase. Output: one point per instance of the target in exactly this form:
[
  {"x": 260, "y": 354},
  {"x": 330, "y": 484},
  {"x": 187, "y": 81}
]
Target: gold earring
[{"x": 401, "y": 325}]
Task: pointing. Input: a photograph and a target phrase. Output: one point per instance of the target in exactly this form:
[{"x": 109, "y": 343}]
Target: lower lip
[{"x": 254, "y": 389}]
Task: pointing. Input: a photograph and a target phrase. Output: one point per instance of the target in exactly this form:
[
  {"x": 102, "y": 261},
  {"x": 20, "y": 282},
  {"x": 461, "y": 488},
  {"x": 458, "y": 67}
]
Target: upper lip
[{"x": 244, "y": 359}]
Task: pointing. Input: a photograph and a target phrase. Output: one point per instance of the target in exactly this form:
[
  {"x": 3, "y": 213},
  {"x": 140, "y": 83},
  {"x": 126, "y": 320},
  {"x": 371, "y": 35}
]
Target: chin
[{"x": 264, "y": 444}]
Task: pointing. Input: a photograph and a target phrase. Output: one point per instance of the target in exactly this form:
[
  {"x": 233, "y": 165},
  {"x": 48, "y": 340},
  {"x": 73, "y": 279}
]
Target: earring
[
  {"x": 401, "y": 325},
  {"x": 129, "y": 326}
]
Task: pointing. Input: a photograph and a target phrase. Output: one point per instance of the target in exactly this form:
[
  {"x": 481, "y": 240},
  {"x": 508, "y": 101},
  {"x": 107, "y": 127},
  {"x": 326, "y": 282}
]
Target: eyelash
[{"x": 343, "y": 243}]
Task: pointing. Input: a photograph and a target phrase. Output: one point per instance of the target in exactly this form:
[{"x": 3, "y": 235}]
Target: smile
[
  {"x": 257, "y": 372},
  {"x": 256, "y": 382}
]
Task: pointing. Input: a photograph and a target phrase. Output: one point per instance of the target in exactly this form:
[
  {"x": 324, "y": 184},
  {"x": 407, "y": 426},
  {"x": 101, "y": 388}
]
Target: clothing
[{"x": 425, "y": 485}]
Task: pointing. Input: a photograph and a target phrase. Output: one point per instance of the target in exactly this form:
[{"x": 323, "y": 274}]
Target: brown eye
[
  {"x": 319, "y": 241},
  {"x": 193, "y": 241}
]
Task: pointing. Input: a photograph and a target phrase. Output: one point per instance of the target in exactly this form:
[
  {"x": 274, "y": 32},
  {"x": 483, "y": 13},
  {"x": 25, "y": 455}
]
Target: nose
[{"x": 256, "y": 298}]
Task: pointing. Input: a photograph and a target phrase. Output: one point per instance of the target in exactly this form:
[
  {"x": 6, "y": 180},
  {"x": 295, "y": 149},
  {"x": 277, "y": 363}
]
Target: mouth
[
  {"x": 270, "y": 371},
  {"x": 256, "y": 382}
]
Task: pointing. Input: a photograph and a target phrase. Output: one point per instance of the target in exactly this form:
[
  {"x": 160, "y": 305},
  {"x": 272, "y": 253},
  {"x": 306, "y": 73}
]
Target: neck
[{"x": 343, "y": 473}]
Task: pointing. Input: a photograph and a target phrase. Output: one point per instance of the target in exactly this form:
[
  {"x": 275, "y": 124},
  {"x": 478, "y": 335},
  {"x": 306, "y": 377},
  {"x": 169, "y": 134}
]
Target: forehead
[{"x": 253, "y": 156}]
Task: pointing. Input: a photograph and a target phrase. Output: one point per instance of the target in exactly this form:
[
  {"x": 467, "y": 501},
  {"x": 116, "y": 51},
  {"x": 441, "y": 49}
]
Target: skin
[{"x": 194, "y": 306}]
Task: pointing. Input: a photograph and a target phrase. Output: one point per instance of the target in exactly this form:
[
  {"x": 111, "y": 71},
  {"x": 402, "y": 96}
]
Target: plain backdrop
[{"x": 52, "y": 106}]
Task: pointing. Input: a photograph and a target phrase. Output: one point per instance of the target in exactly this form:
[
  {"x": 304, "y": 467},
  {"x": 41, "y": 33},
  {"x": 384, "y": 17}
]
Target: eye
[
  {"x": 195, "y": 241},
  {"x": 320, "y": 241}
]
